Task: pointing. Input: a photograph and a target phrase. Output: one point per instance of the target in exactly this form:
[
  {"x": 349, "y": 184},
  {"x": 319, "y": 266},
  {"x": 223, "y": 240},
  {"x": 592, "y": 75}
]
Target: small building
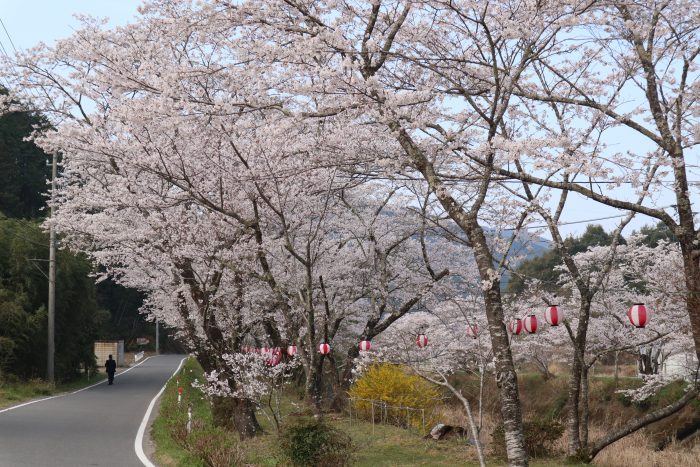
[{"x": 103, "y": 349}]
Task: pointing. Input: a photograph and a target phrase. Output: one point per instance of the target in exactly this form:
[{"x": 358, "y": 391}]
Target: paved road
[{"x": 96, "y": 426}]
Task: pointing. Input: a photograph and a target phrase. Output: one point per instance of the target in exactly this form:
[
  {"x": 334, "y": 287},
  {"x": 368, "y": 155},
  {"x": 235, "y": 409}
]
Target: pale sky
[
  {"x": 29, "y": 22},
  {"x": 32, "y": 21}
]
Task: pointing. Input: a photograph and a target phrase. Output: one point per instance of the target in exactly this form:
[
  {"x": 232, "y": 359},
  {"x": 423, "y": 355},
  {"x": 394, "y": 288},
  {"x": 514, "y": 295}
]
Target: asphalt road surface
[{"x": 96, "y": 426}]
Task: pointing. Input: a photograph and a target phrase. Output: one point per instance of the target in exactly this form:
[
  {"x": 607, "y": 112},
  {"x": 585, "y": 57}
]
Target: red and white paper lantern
[
  {"x": 552, "y": 315},
  {"x": 292, "y": 350},
  {"x": 638, "y": 315},
  {"x": 530, "y": 324},
  {"x": 365, "y": 345},
  {"x": 515, "y": 326},
  {"x": 324, "y": 349},
  {"x": 275, "y": 358},
  {"x": 421, "y": 340},
  {"x": 472, "y": 331}
]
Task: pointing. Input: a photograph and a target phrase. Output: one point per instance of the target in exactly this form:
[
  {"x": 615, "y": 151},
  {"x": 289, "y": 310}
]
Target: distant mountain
[{"x": 525, "y": 247}]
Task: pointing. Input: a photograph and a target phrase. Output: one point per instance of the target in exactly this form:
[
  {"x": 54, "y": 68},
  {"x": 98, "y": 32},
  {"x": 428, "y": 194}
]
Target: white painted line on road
[
  {"x": 104, "y": 380},
  {"x": 138, "y": 442},
  {"x": 7, "y": 409}
]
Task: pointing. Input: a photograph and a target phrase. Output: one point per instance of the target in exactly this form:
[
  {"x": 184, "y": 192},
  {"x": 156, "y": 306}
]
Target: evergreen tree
[
  {"x": 23, "y": 296},
  {"x": 653, "y": 234},
  {"x": 543, "y": 267},
  {"x": 23, "y": 166}
]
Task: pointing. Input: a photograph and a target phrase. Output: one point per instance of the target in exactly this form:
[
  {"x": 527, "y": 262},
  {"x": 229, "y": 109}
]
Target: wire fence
[{"x": 382, "y": 413}]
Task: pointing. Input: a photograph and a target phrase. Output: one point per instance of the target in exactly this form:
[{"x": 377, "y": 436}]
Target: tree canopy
[
  {"x": 23, "y": 166},
  {"x": 23, "y": 292}
]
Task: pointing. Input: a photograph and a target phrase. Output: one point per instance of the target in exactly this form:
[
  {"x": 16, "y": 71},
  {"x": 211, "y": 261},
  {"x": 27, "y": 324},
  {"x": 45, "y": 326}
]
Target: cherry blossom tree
[
  {"x": 347, "y": 259},
  {"x": 640, "y": 274},
  {"x": 136, "y": 153},
  {"x": 391, "y": 63},
  {"x": 331, "y": 65},
  {"x": 237, "y": 110},
  {"x": 632, "y": 67}
]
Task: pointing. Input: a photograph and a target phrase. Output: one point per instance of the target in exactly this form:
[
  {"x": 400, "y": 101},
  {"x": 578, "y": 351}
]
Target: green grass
[
  {"x": 16, "y": 393},
  {"x": 379, "y": 446},
  {"x": 168, "y": 451},
  {"x": 391, "y": 446}
]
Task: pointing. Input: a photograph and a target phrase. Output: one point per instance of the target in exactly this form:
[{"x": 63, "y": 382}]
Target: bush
[
  {"x": 214, "y": 446},
  {"x": 557, "y": 406},
  {"x": 313, "y": 443},
  {"x": 540, "y": 434},
  {"x": 395, "y": 386},
  {"x": 205, "y": 445}
]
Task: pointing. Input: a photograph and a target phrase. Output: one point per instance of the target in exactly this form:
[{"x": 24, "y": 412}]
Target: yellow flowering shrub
[{"x": 400, "y": 397}]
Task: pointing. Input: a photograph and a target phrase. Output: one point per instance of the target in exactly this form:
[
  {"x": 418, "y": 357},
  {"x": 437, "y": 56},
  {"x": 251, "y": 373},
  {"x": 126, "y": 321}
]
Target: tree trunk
[
  {"x": 616, "y": 375},
  {"x": 236, "y": 415},
  {"x": 573, "y": 421},
  {"x": 506, "y": 377},
  {"x": 314, "y": 384},
  {"x": 340, "y": 397},
  {"x": 573, "y": 425},
  {"x": 655, "y": 361},
  {"x": 646, "y": 361},
  {"x": 693, "y": 301},
  {"x": 584, "y": 408},
  {"x": 228, "y": 412},
  {"x": 689, "y": 240},
  {"x": 639, "y": 423},
  {"x": 544, "y": 368}
]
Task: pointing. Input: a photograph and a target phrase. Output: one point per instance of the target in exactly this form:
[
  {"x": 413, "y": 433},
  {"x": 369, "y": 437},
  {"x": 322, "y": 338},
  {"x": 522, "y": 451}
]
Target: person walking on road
[{"x": 111, "y": 367}]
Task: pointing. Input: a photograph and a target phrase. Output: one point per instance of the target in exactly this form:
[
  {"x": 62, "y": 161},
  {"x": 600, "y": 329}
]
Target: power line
[
  {"x": 583, "y": 221},
  {"x": 4, "y": 52},
  {"x": 32, "y": 91},
  {"x": 459, "y": 179},
  {"x": 8, "y": 35}
]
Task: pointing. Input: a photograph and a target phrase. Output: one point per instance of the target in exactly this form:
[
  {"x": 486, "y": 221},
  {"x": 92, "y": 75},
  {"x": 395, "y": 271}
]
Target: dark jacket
[{"x": 111, "y": 366}]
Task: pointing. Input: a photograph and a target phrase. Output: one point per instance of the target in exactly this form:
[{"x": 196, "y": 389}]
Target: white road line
[
  {"x": 138, "y": 442},
  {"x": 7, "y": 409}
]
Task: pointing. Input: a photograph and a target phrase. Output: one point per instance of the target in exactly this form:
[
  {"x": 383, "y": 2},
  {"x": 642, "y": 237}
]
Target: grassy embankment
[
  {"x": 393, "y": 446},
  {"x": 17, "y": 392},
  {"x": 383, "y": 446}
]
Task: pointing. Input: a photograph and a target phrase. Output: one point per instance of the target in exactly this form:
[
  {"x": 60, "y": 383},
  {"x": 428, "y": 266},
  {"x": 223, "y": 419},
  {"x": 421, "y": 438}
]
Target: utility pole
[
  {"x": 52, "y": 279},
  {"x": 157, "y": 339}
]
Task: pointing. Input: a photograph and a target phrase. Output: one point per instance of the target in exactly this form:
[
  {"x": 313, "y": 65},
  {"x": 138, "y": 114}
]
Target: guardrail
[{"x": 138, "y": 356}]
